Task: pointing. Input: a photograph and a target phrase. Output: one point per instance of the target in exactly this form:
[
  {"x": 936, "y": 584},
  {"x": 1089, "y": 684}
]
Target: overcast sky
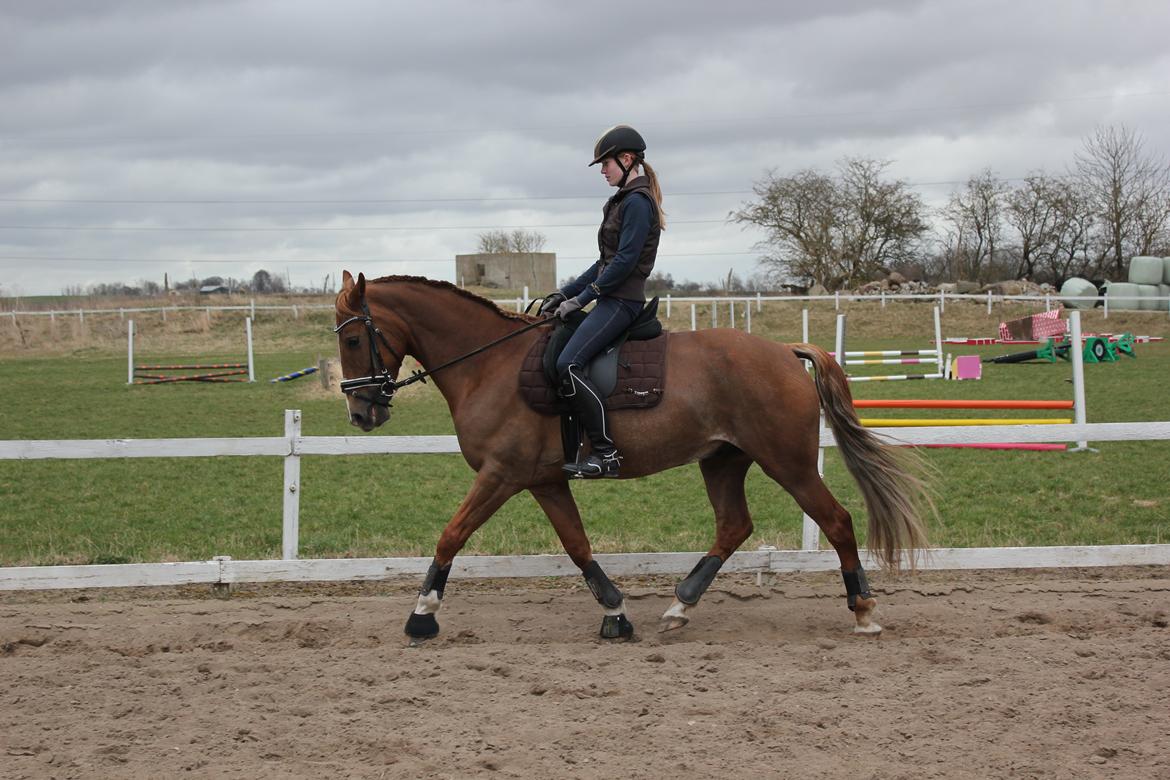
[{"x": 205, "y": 138}]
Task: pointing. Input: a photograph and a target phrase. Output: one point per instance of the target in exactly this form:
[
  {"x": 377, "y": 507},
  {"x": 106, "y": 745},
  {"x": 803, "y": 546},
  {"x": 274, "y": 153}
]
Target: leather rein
[{"x": 380, "y": 376}]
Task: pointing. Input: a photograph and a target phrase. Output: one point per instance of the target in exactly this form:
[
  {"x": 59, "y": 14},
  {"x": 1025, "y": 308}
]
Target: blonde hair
[{"x": 656, "y": 191}]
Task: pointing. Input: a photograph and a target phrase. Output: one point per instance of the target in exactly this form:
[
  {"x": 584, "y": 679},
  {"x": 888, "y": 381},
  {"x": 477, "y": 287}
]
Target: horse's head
[{"x": 369, "y": 361}]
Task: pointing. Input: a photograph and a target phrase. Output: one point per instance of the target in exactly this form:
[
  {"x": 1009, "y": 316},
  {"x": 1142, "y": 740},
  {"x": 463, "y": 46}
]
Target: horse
[{"x": 730, "y": 399}]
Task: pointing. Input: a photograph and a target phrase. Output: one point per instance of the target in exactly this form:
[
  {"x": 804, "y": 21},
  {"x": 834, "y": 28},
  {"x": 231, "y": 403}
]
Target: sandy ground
[{"x": 978, "y": 674}]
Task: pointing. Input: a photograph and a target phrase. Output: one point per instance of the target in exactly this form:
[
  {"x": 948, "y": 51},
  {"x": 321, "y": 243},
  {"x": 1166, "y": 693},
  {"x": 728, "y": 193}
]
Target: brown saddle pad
[{"x": 641, "y": 377}]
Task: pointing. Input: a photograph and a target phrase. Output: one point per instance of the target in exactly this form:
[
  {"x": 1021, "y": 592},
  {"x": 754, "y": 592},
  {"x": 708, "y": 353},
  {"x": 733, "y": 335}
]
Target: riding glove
[
  {"x": 551, "y": 302},
  {"x": 567, "y": 308}
]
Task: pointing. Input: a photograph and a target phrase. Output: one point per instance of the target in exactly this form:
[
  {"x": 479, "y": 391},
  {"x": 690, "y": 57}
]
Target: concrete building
[{"x": 508, "y": 271}]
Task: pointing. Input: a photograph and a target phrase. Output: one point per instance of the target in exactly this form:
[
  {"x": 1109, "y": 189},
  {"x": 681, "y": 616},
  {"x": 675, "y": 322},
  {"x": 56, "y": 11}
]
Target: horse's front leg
[
  {"x": 557, "y": 502},
  {"x": 487, "y": 494}
]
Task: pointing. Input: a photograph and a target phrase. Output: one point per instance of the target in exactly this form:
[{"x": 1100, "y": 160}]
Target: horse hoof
[
  {"x": 671, "y": 623},
  {"x": 421, "y": 626},
  {"x": 862, "y": 612},
  {"x": 616, "y": 627}
]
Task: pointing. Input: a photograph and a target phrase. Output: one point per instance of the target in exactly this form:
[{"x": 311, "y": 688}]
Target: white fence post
[
  {"x": 989, "y": 303},
  {"x": 804, "y": 325},
  {"x": 292, "y": 488},
  {"x": 837, "y": 300},
  {"x": 748, "y": 320},
  {"x": 248, "y": 336},
  {"x": 731, "y": 311},
  {"x": 938, "y": 344},
  {"x": 693, "y": 317},
  {"x": 714, "y": 313},
  {"x": 668, "y": 306},
  {"x": 130, "y": 352},
  {"x": 1076, "y": 353}
]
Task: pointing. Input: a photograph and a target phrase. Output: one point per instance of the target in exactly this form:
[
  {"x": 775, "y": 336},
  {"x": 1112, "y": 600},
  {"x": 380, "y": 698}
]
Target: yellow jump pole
[{"x": 877, "y": 422}]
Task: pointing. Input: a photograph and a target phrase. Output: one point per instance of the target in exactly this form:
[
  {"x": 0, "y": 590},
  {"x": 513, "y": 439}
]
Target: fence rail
[
  {"x": 941, "y": 298},
  {"x": 292, "y": 446}
]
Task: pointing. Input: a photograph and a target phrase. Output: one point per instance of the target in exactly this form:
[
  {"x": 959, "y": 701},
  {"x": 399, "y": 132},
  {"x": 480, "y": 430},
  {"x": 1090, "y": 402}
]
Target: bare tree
[
  {"x": 500, "y": 241},
  {"x": 974, "y": 219},
  {"x": 1032, "y": 212},
  {"x": 1130, "y": 193},
  {"x": 1071, "y": 252},
  {"x": 838, "y": 231}
]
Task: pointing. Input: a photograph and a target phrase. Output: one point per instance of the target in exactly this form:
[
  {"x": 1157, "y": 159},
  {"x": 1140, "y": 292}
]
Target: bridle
[{"x": 380, "y": 376}]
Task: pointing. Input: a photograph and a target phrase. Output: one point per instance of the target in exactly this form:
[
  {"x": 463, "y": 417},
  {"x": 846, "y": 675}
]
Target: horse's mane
[{"x": 447, "y": 286}]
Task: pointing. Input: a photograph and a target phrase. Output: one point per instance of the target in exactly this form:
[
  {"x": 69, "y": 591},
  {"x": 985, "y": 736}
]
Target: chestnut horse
[{"x": 731, "y": 399}]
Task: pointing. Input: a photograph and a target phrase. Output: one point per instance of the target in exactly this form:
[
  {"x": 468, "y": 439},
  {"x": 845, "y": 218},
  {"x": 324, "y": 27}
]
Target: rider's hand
[
  {"x": 551, "y": 302},
  {"x": 567, "y": 308}
]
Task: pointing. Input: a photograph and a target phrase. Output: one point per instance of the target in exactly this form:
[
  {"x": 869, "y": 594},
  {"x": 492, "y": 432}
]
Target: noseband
[{"x": 380, "y": 376}]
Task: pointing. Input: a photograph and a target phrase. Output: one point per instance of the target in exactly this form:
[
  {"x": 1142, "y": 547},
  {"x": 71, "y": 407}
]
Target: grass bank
[{"x": 86, "y": 511}]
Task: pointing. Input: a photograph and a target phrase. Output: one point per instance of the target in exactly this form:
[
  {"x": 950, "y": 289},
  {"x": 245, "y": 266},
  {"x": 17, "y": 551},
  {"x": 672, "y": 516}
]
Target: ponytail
[{"x": 656, "y": 191}]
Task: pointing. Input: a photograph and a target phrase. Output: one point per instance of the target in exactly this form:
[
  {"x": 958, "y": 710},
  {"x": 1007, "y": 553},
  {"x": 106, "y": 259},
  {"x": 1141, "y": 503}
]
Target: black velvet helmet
[{"x": 617, "y": 139}]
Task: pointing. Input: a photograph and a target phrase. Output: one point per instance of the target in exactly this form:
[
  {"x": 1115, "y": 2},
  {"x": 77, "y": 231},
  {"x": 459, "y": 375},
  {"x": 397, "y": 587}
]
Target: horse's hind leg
[
  {"x": 724, "y": 474},
  {"x": 557, "y": 502},
  {"x": 834, "y": 520}
]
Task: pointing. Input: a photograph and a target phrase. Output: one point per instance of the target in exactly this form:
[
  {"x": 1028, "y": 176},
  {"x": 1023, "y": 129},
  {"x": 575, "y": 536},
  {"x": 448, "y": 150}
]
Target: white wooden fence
[
  {"x": 292, "y": 446},
  {"x": 741, "y": 301}
]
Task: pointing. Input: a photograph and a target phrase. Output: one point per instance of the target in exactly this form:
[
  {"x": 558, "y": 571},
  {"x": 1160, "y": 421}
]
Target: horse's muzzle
[{"x": 369, "y": 417}]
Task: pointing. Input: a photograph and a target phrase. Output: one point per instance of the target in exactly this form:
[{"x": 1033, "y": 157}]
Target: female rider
[{"x": 628, "y": 242}]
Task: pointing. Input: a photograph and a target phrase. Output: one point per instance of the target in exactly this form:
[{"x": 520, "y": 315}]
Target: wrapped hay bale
[
  {"x": 1148, "y": 293},
  {"x": 1166, "y": 270},
  {"x": 1076, "y": 287},
  {"x": 1123, "y": 295},
  {"x": 1146, "y": 270}
]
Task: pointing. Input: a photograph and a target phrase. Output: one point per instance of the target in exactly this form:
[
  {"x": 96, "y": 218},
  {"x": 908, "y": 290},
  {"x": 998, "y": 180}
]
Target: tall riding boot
[{"x": 589, "y": 408}]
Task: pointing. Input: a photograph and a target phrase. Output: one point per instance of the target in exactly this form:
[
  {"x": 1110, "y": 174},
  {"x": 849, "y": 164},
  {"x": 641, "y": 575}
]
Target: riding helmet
[{"x": 617, "y": 139}]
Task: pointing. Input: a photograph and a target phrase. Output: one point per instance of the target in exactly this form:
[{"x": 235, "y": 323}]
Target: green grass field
[{"x": 66, "y": 381}]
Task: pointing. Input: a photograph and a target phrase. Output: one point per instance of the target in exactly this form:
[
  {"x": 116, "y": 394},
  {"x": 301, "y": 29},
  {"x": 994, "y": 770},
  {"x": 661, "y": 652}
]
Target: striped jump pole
[
  {"x": 890, "y": 361},
  {"x": 893, "y": 377}
]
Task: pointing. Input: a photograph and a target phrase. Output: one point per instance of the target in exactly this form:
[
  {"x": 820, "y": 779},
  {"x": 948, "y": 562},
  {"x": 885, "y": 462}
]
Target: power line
[
  {"x": 731, "y": 121},
  {"x": 385, "y": 201},
  {"x": 380, "y": 228},
  {"x": 348, "y": 202},
  {"x": 350, "y": 261}
]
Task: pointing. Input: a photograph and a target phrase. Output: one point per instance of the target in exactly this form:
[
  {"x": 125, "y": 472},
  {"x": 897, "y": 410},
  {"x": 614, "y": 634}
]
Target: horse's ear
[
  {"x": 361, "y": 285},
  {"x": 346, "y": 281}
]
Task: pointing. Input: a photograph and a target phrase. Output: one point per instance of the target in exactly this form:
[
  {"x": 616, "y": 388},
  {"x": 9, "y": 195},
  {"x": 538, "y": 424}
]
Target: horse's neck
[{"x": 445, "y": 325}]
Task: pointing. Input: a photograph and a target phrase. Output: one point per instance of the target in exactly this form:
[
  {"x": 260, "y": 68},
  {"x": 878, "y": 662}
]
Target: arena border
[{"x": 224, "y": 571}]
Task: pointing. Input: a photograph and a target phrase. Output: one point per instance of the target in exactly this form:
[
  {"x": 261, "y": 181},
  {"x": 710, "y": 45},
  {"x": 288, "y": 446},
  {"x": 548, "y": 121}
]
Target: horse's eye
[{"x": 353, "y": 342}]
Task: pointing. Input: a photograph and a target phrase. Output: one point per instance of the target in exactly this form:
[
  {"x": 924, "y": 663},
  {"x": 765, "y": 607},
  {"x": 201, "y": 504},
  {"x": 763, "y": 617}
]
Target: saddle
[{"x": 630, "y": 373}]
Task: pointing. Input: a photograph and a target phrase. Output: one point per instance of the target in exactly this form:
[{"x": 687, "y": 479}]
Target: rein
[{"x": 380, "y": 376}]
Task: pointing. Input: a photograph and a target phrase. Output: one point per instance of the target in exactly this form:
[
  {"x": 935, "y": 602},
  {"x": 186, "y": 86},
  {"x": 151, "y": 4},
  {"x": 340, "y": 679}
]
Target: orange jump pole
[{"x": 958, "y": 404}]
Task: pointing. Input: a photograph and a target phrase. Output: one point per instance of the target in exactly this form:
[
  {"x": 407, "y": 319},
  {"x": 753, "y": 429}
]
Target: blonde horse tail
[{"x": 890, "y": 480}]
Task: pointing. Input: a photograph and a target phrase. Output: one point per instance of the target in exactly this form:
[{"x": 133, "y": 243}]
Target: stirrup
[{"x": 595, "y": 467}]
